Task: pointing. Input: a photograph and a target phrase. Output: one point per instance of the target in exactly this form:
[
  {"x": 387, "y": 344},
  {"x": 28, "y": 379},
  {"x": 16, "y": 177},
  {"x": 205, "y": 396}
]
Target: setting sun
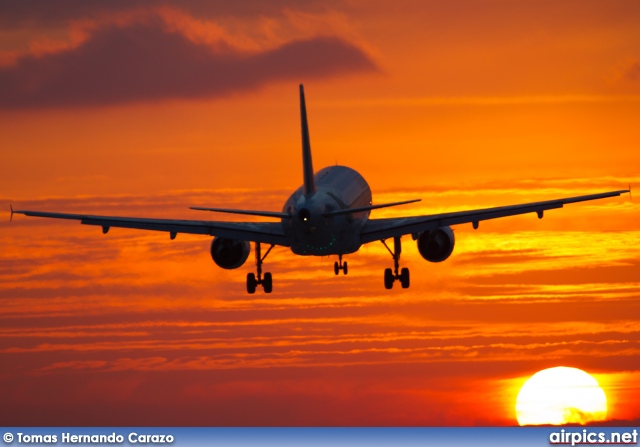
[{"x": 560, "y": 395}]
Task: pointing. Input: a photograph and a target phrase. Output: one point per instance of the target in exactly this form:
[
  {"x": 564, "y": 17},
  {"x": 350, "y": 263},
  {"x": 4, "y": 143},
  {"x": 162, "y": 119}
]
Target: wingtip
[{"x": 11, "y": 216}]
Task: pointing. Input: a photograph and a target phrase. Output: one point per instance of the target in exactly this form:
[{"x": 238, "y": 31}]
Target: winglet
[
  {"x": 307, "y": 165},
  {"x": 11, "y": 208}
]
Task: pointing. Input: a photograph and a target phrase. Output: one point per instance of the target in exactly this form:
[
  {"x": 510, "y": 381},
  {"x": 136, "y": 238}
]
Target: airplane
[{"x": 327, "y": 215}]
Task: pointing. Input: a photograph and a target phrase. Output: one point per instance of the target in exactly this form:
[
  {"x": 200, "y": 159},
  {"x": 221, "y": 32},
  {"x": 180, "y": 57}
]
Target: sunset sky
[{"x": 144, "y": 108}]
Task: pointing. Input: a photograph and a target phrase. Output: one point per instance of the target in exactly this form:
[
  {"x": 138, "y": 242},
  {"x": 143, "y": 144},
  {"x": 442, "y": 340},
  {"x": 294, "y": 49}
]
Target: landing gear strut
[
  {"x": 390, "y": 276},
  {"x": 267, "y": 281},
  {"x": 337, "y": 266}
]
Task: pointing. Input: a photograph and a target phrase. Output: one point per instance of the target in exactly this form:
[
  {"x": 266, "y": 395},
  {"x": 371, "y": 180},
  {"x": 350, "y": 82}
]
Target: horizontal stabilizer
[
  {"x": 247, "y": 212},
  {"x": 366, "y": 208}
]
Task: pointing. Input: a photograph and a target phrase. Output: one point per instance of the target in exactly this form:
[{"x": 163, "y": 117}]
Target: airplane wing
[
  {"x": 267, "y": 232},
  {"x": 379, "y": 229}
]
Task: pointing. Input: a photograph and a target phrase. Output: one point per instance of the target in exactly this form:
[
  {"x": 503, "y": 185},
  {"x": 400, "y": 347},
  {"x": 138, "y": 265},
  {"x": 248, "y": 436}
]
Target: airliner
[{"x": 327, "y": 215}]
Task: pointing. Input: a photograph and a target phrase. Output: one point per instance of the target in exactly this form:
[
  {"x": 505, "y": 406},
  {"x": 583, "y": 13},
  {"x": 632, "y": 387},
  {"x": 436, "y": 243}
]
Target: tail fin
[{"x": 307, "y": 164}]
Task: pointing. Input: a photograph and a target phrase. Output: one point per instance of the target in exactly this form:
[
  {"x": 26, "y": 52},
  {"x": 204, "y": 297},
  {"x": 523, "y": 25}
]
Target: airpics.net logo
[
  {"x": 589, "y": 437},
  {"x": 68, "y": 438}
]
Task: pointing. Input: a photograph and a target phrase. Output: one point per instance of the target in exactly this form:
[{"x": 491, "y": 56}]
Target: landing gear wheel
[
  {"x": 388, "y": 279},
  {"x": 404, "y": 278},
  {"x": 267, "y": 283},
  {"x": 339, "y": 265},
  {"x": 390, "y": 276},
  {"x": 251, "y": 283}
]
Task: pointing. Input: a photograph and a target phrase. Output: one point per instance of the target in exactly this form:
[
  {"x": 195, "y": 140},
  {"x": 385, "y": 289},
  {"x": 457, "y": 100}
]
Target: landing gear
[
  {"x": 388, "y": 279},
  {"x": 404, "y": 278},
  {"x": 267, "y": 281},
  {"x": 251, "y": 283},
  {"x": 337, "y": 266},
  {"x": 391, "y": 276}
]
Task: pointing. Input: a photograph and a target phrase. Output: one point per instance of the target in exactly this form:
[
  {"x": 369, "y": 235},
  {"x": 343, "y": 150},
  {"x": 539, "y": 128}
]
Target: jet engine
[
  {"x": 229, "y": 253},
  {"x": 436, "y": 245}
]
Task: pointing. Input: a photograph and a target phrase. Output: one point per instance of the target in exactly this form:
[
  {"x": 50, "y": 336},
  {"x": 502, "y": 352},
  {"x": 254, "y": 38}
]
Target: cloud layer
[
  {"x": 132, "y": 318},
  {"x": 147, "y": 62}
]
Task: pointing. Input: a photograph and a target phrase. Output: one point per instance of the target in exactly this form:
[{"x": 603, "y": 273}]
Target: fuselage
[{"x": 311, "y": 233}]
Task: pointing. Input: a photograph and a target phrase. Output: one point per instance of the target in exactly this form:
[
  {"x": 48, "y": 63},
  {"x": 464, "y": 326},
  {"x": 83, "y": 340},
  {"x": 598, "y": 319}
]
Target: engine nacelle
[
  {"x": 436, "y": 245},
  {"x": 229, "y": 253}
]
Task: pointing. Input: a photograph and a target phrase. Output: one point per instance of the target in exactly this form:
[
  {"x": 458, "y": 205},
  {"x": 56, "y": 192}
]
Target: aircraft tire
[
  {"x": 388, "y": 279},
  {"x": 404, "y": 278},
  {"x": 267, "y": 283},
  {"x": 251, "y": 283},
  {"x": 336, "y": 268},
  {"x": 344, "y": 268}
]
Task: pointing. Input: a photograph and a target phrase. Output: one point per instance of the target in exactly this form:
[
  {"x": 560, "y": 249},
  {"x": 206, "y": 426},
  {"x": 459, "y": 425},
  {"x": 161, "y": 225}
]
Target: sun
[{"x": 560, "y": 395}]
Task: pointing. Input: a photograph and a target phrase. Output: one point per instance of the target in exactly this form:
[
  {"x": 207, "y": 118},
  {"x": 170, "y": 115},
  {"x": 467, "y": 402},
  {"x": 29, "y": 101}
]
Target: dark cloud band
[{"x": 146, "y": 62}]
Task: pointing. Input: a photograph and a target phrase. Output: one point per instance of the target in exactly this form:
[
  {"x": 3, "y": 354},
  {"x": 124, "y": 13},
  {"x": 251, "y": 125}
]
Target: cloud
[
  {"x": 43, "y": 12},
  {"x": 148, "y": 62}
]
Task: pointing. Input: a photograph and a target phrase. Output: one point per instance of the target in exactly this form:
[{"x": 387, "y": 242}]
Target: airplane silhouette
[{"x": 327, "y": 215}]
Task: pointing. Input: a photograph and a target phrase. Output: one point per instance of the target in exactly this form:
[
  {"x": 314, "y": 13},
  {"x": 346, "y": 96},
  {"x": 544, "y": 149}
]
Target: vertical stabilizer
[{"x": 307, "y": 164}]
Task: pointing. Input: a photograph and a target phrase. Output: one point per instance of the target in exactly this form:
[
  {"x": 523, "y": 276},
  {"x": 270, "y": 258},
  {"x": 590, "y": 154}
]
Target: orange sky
[{"x": 144, "y": 109}]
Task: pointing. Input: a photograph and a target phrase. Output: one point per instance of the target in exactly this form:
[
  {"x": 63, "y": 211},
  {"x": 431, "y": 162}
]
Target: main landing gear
[
  {"x": 390, "y": 276},
  {"x": 337, "y": 266},
  {"x": 267, "y": 281}
]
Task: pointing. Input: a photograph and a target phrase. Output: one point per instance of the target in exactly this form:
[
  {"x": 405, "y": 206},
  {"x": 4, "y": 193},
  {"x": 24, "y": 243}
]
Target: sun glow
[{"x": 560, "y": 395}]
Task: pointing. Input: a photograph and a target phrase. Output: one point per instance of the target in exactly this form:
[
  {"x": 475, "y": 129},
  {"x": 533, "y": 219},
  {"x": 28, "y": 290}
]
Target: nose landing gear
[
  {"x": 391, "y": 276},
  {"x": 267, "y": 281},
  {"x": 337, "y": 266}
]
